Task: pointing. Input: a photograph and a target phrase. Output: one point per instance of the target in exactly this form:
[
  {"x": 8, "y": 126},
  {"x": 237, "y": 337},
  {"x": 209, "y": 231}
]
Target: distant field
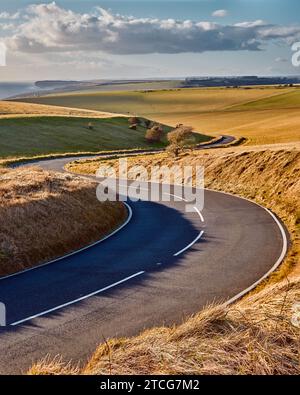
[
  {"x": 12, "y": 109},
  {"x": 264, "y": 115},
  {"x": 34, "y": 136},
  {"x": 287, "y": 99},
  {"x": 152, "y": 103}
]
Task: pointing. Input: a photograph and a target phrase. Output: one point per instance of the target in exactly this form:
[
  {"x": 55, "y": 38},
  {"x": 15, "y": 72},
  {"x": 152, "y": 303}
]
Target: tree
[
  {"x": 154, "y": 134},
  {"x": 178, "y": 138}
]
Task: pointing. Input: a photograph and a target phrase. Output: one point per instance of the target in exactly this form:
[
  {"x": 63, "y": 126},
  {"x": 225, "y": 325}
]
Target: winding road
[{"x": 163, "y": 266}]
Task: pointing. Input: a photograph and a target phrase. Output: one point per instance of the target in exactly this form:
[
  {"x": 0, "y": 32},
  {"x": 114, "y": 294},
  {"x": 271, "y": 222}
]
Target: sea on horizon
[{"x": 9, "y": 89}]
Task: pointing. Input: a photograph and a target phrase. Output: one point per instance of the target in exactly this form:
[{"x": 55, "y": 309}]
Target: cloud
[
  {"x": 251, "y": 24},
  {"x": 220, "y": 13},
  {"x": 6, "y": 26},
  {"x": 281, "y": 60},
  {"x": 7, "y": 15},
  {"x": 50, "y": 28}
]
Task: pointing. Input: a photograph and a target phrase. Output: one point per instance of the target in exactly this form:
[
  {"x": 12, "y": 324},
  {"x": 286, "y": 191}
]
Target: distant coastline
[
  {"x": 20, "y": 90},
  {"x": 10, "y": 89}
]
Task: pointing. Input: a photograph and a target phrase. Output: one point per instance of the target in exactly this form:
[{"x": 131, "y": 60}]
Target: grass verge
[{"x": 46, "y": 215}]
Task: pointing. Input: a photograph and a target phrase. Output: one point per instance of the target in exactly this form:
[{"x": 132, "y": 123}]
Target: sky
[{"x": 120, "y": 39}]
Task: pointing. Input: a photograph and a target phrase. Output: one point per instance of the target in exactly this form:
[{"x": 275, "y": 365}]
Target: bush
[
  {"x": 154, "y": 134},
  {"x": 134, "y": 121},
  {"x": 173, "y": 150},
  {"x": 178, "y": 138},
  {"x": 180, "y": 135}
]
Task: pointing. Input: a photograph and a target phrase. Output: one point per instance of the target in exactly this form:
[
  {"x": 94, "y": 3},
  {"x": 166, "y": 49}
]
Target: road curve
[{"x": 163, "y": 266}]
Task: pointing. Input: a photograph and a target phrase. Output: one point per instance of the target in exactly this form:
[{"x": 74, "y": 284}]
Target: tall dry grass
[
  {"x": 13, "y": 109},
  {"x": 254, "y": 336},
  {"x": 44, "y": 215}
]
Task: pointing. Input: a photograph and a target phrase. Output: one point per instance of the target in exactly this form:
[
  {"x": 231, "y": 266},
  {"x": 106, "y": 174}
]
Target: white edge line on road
[
  {"x": 77, "y": 300},
  {"x": 275, "y": 266},
  {"x": 200, "y": 214},
  {"x": 279, "y": 260},
  {"x": 130, "y": 214},
  {"x": 191, "y": 244}
]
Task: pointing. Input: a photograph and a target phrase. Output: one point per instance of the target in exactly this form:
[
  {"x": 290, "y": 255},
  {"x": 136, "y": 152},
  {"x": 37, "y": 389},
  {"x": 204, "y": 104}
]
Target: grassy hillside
[
  {"x": 46, "y": 215},
  {"x": 33, "y": 136},
  {"x": 180, "y": 101},
  {"x": 264, "y": 115},
  {"x": 287, "y": 99},
  {"x": 12, "y": 109}
]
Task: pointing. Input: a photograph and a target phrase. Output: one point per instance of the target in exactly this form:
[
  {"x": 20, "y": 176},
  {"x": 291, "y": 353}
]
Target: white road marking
[
  {"x": 77, "y": 300},
  {"x": 191, "y": 244},
  {"x": 200, "y": 214},
  {"x": 275, "y": 266},
  {"x": 197, "y": 211}
]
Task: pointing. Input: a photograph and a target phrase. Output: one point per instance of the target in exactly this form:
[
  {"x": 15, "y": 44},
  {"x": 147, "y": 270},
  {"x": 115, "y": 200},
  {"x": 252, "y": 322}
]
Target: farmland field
[
  {"x": 264, "y": 115},
  {"x": 54, "y": 135},
  {"x": 37, "y": 136}
]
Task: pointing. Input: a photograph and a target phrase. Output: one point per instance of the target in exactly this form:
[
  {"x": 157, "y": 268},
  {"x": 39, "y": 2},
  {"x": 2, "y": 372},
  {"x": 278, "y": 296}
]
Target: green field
[
  {"x": 161, "y": 102},
  {"x": 265, "y": 115},
  {"x": 37, "y": 136}
]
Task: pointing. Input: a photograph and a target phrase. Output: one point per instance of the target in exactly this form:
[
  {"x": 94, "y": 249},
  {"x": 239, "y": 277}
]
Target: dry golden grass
[
  {"x": 56, "y": 366},
  {"x": 258, "y": 126},
  {"x": 156, "y": 102},
  {"x": 254, "y": 336},
  {"x": 10, "y": 109},
  {"x": 46, "y": 215}
]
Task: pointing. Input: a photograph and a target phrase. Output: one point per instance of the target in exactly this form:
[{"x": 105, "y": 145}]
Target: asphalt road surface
[{"x": 163, "y": 266}]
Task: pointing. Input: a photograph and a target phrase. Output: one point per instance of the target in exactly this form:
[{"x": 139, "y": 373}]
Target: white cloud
[
  {"x": 6, "y": 26},
  {"x": 220, "y": 13},
  {"x": 7, "y": 15},
  {"x": 50, "y": 28},
  {"x": 250, "y": 24}
]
